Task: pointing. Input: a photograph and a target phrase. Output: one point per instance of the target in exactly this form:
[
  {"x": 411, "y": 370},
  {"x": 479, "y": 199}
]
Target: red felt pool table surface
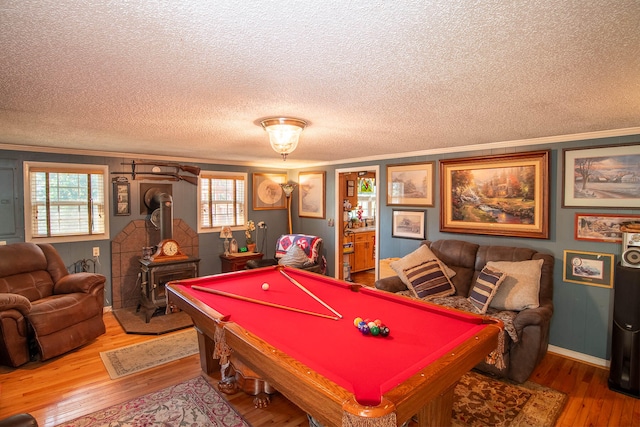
[{"x": 366, "y": 366}]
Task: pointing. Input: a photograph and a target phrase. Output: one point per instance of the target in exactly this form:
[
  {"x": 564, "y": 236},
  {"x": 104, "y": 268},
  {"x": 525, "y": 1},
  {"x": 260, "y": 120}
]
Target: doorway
[{"x": 357, "y": 225}]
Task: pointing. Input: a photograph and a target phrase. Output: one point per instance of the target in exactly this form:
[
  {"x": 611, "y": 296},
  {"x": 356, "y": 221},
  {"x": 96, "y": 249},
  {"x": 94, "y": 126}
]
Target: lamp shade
[
  {"x": 288, "y": 188},
  {"x": 225, "y": 232},
  {"x": 284, "y": 133}
]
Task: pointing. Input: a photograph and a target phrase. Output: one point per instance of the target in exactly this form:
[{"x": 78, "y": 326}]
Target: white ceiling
[{"x": 190, "y": 79}]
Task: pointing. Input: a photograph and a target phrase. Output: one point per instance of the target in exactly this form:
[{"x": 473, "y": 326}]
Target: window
[
  {"x": 223, "y": 200},
  {"x": 65, "y": 202},
  {"x": 367, "y": 197}
]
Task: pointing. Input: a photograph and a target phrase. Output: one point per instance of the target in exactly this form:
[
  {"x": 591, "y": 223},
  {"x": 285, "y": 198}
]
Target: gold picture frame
[
  {"x": 410, "y": 184},
  {"x": 588, "y": 268},
  {"x": 502, "y": 195},
  {"x": 267, "y": 193},
  {"x": 312, "y": 197}
]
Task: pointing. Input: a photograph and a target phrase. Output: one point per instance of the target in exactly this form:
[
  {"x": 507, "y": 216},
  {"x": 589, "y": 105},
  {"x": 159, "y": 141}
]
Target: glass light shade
[
  {"x": 288, "y": 189},
  {"x": 284, "y": 133}
]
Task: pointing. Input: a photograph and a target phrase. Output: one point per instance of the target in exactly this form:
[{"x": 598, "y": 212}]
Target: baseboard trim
[{"x": 579, "y": 356}]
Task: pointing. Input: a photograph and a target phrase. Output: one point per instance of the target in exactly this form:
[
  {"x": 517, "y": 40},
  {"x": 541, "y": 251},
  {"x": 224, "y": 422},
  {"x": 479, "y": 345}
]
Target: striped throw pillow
[
  {"x": 427, "y": 280},
  {"x": 485, "y": 288}
]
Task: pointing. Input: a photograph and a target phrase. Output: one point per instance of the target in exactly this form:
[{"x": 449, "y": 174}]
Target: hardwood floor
[{"x": 77, "y": 383}]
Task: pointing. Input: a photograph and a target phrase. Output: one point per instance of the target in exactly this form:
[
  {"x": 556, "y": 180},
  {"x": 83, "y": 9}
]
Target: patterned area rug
[
  {"x": 138, "y": 357},
  {"x": 191, "y": 403},
  {"x": 482, "y": 401}
]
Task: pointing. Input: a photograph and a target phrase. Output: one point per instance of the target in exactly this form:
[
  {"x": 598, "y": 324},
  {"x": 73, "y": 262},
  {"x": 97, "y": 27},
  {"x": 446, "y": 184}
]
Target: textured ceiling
[{"x": 189, "y": 79}]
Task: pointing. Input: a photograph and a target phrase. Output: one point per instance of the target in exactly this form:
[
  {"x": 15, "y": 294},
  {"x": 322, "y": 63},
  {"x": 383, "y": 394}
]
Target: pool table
[{"x": 322, "y": 362}]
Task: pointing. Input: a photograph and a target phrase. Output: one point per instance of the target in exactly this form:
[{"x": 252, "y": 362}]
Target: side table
[{"x": 237, "y": 262}]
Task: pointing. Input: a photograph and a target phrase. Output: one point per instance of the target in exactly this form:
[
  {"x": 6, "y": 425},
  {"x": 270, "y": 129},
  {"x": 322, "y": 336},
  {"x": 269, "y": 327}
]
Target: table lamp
[{"x": 225, "y": 233}]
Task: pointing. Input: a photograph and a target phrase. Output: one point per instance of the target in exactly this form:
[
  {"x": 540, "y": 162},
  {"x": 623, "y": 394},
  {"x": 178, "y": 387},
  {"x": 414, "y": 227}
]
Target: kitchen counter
[{"x": 361, "y": 229}]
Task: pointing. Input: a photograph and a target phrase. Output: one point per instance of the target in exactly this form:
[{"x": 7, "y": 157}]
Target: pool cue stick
[
  {"x": 311, "y": 294},
  {"x": 257, "y": 301}
]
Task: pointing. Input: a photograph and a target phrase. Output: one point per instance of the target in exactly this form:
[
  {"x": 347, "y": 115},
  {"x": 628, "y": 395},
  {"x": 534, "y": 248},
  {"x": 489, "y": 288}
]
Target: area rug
[
  {"x": 133, "y": 322},
  {"x": 139, "y": 357},
  {"x": 191, "y": 403},
  {"x": 482, "y": 401}
]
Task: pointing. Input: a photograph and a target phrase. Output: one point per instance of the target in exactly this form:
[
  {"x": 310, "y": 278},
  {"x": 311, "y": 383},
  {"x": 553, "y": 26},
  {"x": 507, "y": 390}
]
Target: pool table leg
[
  {"x": 206, "y": 346},
  {"x": 238, "y": 375},
  {"x": 438, "y": 412}
]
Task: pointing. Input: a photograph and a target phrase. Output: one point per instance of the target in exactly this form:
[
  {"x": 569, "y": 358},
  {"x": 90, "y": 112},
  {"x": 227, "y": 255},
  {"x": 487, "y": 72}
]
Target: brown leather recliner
[
  {"x": 532, "y": 324},
  {"x": 44, "y": 306}
]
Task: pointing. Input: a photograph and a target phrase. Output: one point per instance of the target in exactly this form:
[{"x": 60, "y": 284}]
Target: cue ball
[{"x": 265, "y": 286}]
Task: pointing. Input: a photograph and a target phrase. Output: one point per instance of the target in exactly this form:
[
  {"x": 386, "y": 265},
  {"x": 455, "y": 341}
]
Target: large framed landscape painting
[
  {"x": 503, "y": 195},
  {"x": 602, "y": 177}
]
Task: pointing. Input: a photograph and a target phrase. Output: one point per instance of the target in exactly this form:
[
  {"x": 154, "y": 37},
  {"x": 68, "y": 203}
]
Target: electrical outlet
[{"x": 96, "y": 251}]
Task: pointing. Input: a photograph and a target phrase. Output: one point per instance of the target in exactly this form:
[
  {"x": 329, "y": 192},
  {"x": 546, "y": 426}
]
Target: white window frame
[
  {"x": 29, "y": 235},
  {"x": 209, "y": 174}
]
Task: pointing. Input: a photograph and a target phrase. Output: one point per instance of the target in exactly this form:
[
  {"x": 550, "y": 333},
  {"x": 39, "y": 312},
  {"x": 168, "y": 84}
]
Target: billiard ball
[
  {"x": 365, "y": 330},
  {"x": 375, "y": 330},
  {"x": 384, "y": 331},
  {"x": 265, "y": 286},
  {"x": 356, "y": 321}
]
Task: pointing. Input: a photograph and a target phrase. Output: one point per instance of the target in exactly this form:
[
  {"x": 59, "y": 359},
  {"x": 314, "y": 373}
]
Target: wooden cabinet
[
  {"x": 348, "y": 252},
  {"x": 364, "y": 256},
  {"x": 237, "y": 262}
]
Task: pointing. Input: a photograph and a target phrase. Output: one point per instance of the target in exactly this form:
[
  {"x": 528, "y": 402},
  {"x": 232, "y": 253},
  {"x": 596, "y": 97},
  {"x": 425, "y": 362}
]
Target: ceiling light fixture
[{"x": 284, "y": 133}]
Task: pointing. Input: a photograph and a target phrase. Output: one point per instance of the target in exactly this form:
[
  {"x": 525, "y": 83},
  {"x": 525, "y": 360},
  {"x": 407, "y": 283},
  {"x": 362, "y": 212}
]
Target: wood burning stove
[{"x": 155, "y": 275}]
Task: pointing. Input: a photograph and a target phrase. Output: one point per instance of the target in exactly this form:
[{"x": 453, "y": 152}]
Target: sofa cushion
[
  {"x": 415, "y": 258},
  {"x": 483, "y": 291},
  {"x": 427, "y": 280},
  {"x": 521, "y": 287},
  {"x": 295, "y": 257}
]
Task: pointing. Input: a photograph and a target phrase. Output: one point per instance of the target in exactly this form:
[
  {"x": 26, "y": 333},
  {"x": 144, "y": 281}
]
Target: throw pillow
[
  {"x": 485, "y": 288},
  {"x": 417, "y": 257},
  {"x": 295, "y": 257},
  {"x": 521, "y": 288},
  {"x": 427, "y": 280}
]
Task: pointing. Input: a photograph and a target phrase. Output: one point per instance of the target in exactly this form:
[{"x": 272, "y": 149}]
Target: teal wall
[{"x": 583, "y": 314}]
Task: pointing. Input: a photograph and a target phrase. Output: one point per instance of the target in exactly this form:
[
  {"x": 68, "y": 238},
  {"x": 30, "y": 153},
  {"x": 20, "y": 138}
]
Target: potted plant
[{"x": 251, "y": 227}]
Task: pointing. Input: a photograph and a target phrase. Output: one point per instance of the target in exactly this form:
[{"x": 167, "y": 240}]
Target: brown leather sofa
[
  {"x": 532, "y": 324},
  {"x": 44, "y": 307}
]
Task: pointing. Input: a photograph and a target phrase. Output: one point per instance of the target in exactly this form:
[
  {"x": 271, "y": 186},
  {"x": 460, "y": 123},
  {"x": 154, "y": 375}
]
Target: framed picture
[
  {"x": 267, "y": 193},
  {"x": 601, "y": 227},
  {"x": 351, "y": 188},
  {"x": 121, "y": 198},
  {"x": 409, "y": 224},
  {"x": 603, "y": 177},
  {"x": 588, "y": 268},
  {"x": 410, "y": 184},
  {"x": 502, "y": 195},
  {"x": 311, "y": 200}
]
